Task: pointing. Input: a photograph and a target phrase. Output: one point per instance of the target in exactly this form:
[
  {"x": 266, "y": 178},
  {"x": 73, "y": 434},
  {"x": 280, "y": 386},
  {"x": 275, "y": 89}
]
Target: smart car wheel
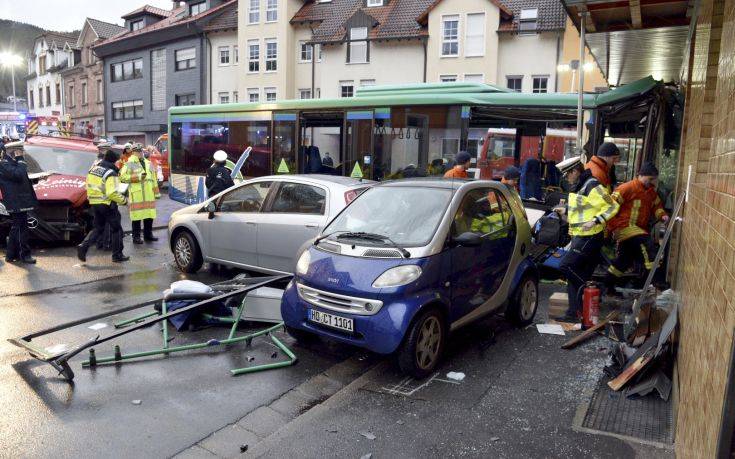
[
  {"x": 423, "y": 346},
  {"x": 186, "y": 253},
  {"x": 523, "y": 304}
]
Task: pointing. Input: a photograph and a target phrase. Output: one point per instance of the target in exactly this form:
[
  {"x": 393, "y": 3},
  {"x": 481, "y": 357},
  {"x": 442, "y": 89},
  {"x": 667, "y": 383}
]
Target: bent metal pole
[{"x": 580, "y": 90}]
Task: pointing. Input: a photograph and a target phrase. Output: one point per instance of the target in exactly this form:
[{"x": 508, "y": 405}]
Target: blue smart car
[{"x": 409, "y": 261}]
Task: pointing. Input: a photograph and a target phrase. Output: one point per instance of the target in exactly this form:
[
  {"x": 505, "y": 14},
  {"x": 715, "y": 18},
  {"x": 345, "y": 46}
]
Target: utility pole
[
  {"x": 12, "y": 77},
  {"x": 580, "y": 98}
]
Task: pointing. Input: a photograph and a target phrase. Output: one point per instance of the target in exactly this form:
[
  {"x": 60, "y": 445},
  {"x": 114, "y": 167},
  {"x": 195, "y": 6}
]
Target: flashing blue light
[{"x": 22, "y": 116}]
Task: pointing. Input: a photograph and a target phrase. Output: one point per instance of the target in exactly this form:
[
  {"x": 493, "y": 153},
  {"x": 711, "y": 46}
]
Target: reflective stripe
[
  {"x": 614, "y": 271},
  {"x": 142, "y": 205},
  {"x": 646, "y": 262},
  {"x": 635, "y": 211}
]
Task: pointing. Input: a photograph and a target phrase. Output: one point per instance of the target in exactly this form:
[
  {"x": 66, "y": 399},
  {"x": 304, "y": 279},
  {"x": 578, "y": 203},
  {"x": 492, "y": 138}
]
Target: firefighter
[
  {"x": 460, "y": 170},
  {"x": 589, "y": 210},
  {"x": 104, "y": 198},
  {"x": 19, "y": 198},
  {"x": 142, "y": 194},
  {"x": 219, "y": 177},
  {"x": 639, "y": 204}
]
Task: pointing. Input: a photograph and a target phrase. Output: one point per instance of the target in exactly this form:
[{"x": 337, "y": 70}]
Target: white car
[{"x": 260, "y": 224}]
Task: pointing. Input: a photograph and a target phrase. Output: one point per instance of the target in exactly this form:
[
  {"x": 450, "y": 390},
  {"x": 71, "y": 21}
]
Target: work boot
[
  {"x": 82, "y": 252},
  {"x": 137, "y": 240},
  {"x": 29, "y": 260},
  {"x": 151, "y": 238},
  {"x": 121, "y": 259},
  {"x": 10, "y": 259}
]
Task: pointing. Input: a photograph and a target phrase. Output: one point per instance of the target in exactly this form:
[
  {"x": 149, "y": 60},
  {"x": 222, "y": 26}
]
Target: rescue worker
[
  {"x": 219, "y": 177},
  {"x": 570, "y": 184},
  {"x": 589, "y": 210},
  {"x": 126, "y": 154},
  {"x": 103, "y": 241},
  {"x": 19, "y": 198},
  {"x": 511, "y": 177},
  {"x": 639, "y": 204},
  {"x": 142, "y": 194},
  {"x": 460, "y": 170},
  {"x": 104, "y": 198}
]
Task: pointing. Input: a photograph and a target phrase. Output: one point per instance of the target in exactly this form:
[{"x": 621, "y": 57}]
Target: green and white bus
[{"x": 382, "y": 133}]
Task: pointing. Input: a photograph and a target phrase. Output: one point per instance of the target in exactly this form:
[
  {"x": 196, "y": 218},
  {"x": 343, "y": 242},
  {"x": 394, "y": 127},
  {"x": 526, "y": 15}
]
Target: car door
[
  {"x": 295, "y": 215},
  {"x": 476, "y": 272},
  {"x": 233, "y": 232}
]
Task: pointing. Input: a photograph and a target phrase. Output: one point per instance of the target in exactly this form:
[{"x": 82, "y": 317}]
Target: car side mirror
[
  {"x": 468, "y": 239},
  {"x": 211, "y": 208}
]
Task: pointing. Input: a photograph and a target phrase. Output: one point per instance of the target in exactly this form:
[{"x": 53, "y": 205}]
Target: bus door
[
  {"x": 285, "y": 142},
  {"x": 358, "y": 149},
  {"x": 321, "y": 142}
]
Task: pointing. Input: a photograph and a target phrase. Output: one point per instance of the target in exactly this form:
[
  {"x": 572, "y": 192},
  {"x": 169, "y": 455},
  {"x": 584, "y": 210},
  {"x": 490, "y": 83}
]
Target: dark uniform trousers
[
  {"x": 578, "y": 265},
  {"x": 628, "y": 251},
  {"x": 106, "y": 215},
  {"x": 18, "y": 247}
]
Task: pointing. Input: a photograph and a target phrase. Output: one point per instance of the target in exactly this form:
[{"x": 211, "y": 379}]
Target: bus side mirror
[{"x": 211, "y": 208}]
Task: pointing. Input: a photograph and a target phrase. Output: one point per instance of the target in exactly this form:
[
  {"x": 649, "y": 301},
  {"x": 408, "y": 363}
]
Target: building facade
[
  {"x": 52, "y": 53},
  {"x": 225, "y": 59},
  {"x": 160, "y": 61},
  {"x": 84, "y": 82}
]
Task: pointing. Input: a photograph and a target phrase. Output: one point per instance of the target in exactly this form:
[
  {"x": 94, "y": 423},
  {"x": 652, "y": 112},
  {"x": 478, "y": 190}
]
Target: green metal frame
[{"x": 119, "y": 357}]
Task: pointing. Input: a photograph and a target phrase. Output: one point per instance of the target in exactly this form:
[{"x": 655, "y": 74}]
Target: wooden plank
[
  {"x": 582, "y": 337},
  {"x": 627, "y": 374}
]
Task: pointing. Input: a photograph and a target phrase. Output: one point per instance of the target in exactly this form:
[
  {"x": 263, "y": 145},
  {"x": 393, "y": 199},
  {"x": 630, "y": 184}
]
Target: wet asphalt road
[{"x": 183, "y": 397}]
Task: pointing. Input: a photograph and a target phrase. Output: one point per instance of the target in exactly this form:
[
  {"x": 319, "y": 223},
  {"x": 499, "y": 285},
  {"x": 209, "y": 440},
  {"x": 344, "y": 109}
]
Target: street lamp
[{"x": 11, "y": 60}]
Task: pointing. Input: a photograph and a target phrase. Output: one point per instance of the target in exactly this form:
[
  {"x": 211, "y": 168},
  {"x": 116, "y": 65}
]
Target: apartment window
[
  {"x": 450, "y": 35},
  {"x": 254, "y": 11},
  {"x": 366, "y": 83},
  {"x": 186, "y": 58},
  {"x": 474, "y": 43},
  {"x": 70, "y": 96},
  {"x": 85, "y": 99},
  {"x": 271, "y": 55},
  {"x": 271, "y": 10},
  {"x": 236, "y": 54},
  {"x": 40, "y": 96},
  {"x": 91, "y": 58},
  {"x": 235, "y": 97},
  {"x": 224, "y": 98},
  {"x": 305, "y": 52},
  {"x": 515, "y": 83},
  {"x": 253, "y": 95},
  {"x": 185, "y": 99},
  {"x": 30, "y": 99},
  {"x": 357, "y": 52},
  {"x": 346, "y": 88},
  {"x": 270, "y": 94},
  {"x": 100, "y": 91},
  {"x": 127, "y": 110},
  {"x": 196, "y": 8},
  {"x": 58, "y": 94},
  {"x": 303, "y": 93},
  {"x": 447, "y": 78},
  {"x": 224, "y": 55},
  {"x": 540, "y": 84},
  {"x": 474, "y": 77},
  {"x": 253, "y": 56},
  {"x": 528, "y": 21},
  {"x": 42, "y": 65},
  {"x": 127, "y": 70},
  {"x": 374, "y": 3},
  {"x": 136, "y": 25},
  {"x": 48, "y": 96},
  {"x": 158, "y": 79}
]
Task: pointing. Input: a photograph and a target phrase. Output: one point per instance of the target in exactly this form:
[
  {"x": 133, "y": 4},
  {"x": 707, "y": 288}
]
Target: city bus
[{"x": 382, "y": 133}]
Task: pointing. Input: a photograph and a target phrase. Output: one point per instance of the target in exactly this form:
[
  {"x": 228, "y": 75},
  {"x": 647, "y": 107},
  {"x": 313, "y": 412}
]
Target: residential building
[
  {"x": 52, "y": 53},
  {"x": 225, "y": 58},
  {"x": 159, "y": 61},
  {"x": 84, "y": 82}
]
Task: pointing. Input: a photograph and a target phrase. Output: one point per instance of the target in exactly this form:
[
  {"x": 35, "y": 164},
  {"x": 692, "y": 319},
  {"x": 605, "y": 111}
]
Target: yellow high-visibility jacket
[
  {"x": 102, "y": 186},
  {"x": 143, "y": 191},
  {"x": 592, "y": 202}
]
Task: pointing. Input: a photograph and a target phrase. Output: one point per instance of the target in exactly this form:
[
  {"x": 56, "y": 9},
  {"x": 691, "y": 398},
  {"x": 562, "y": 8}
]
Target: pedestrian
[
  {"x": 19, "y": 198},
  {"x": 219, "y": 178},
  {"x": 640, "y": 204},
  {"x": 589, "y": 210},
  {"x": 511, "y": 177},
  {"x": 104, "y": 198},
  {"x": 142, "y": 194},
  {"x": 460, "y": 170}
]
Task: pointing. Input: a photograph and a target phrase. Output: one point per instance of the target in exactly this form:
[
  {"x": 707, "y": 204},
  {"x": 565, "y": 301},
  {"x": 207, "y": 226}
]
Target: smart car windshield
[
  {"x": 408, "y": 216},
  {"x": 68, "y": 162}
]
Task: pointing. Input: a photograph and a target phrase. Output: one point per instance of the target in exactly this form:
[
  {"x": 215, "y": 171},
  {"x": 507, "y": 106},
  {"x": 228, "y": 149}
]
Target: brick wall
[{"x": 706, "y": 268}]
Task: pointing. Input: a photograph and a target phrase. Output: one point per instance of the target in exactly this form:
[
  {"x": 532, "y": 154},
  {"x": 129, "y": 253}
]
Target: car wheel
[
  {"x": 186, "y": 253},
  {"x": 522, "y": 306},
  {"x": 423, "y": 346},
  {"x": 300, "y": 335}
]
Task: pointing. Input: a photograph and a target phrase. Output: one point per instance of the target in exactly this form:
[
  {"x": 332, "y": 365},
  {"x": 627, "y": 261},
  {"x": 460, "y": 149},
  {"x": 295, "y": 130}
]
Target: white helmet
[{"x": 220, "y": 156}]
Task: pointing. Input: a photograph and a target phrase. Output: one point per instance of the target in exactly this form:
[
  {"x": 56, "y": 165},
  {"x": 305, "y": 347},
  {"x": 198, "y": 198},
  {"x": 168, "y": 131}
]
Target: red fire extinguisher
[{"x": 590, "y": 305}]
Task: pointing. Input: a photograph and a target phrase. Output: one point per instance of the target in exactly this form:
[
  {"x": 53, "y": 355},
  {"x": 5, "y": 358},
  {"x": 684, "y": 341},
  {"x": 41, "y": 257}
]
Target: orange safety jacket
[
  {"x": 456, "y": 172},
  {"x": 637, "y": 205}
]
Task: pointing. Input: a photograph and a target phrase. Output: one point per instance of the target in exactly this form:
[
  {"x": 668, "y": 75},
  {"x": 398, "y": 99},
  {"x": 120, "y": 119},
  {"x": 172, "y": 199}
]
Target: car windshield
[
  {"x": 408, "y": 216},
  {"x": 67, "y": 162}
]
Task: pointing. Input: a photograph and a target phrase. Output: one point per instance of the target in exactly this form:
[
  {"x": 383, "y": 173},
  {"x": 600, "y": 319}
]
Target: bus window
[{"x": 284, "y": 144}]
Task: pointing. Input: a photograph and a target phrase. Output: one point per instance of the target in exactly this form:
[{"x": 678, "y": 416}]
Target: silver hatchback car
[{"x": 259, "y": 224}]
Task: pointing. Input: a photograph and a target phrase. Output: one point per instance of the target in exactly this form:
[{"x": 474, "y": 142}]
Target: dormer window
[
  {"x": 528, "y": 21},
  {"x": 357, "y": 52},
  {"x": 196, "y": 8},
  {"x": 136, "y": 25},
  {"x": 374, "y": 3}
]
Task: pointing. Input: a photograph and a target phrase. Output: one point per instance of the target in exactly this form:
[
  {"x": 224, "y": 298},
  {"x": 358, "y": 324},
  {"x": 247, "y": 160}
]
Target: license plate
[{"x": 332, "y": 321}]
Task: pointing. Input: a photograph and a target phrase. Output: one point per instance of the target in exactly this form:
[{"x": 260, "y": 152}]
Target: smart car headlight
[
  {"x": 302, "y": 266},
  {"x": 400, "y": 275}
]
